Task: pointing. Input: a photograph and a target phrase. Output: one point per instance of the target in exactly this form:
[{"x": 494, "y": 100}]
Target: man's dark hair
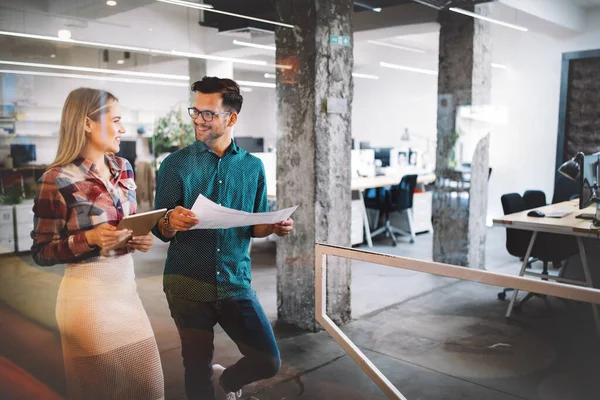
[{"x": 230, "y": 91}]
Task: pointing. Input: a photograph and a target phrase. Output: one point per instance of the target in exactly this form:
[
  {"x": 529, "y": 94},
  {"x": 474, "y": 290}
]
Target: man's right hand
[
  {"x": 106, "y": 236},
  {"x": 182, "y": 219}
]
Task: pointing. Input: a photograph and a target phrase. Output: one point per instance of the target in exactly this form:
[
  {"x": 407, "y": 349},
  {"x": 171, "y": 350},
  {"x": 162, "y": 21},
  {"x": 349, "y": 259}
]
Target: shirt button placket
[{"x": 219, "y": 232}]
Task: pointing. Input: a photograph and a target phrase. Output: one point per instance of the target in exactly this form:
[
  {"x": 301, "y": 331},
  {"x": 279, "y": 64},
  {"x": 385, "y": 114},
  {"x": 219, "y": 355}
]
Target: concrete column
[
  {"x": 464, "y": 80},
  {"x": 314, "y": 101}
]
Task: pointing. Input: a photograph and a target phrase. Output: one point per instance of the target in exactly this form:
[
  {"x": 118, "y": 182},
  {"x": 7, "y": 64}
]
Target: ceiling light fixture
[
  {"x": 488, "y": 19},
  {"x": 245, "y": 89},
  {"x": 52, "y": 55},
  {"x": 64, "y": 34},
  {"x": 256, "y": 84},
  {"x": 94, "y": 78},
  {"x": 138, "y": 49},
  {"x": 396, "y": 46},
  {"x": 99, "y": 70},
  {"x": 499, "y": 66},
  {"x": 255, "y": 45},
  {"x": 410, "y": 69},
  {"x": 368, "y": 7},
  {"x": 204, "y": 8},
  {"x": 365, "y": 76},
  {"x": 111, "y": 3},
  {"x": 120, "y": 62},
  {"x": 270, "y": 76}
]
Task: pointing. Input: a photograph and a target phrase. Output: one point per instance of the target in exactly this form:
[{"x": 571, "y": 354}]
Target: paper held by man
[{"x": 214, "y": 216}]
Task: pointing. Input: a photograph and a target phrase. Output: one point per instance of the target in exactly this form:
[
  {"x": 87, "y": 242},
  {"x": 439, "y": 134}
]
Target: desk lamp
[{"x": 571, "y": 170}]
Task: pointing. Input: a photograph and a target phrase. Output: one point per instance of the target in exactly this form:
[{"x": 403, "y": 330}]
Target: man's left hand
[{"x": 284, "y": 227}]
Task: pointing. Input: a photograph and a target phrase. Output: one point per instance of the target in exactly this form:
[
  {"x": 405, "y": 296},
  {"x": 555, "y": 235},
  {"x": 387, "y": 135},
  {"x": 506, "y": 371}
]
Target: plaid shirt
[{"x": 72, "y": 199}]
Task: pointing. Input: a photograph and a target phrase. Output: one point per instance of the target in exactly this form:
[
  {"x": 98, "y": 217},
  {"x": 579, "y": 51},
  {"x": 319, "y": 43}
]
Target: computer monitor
[
  {"x": 22, "y": 154},
  {"x": 364, "y": 145},
  {"x": 250, "y": 144},
  {"x": 383, "y": 154},
  {"x": 128, "y": 150},
  {"x": 588, "y": 179}
]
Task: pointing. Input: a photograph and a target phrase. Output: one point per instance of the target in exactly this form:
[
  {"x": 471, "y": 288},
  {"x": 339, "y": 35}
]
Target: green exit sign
[{"x": 339, "y": 40}]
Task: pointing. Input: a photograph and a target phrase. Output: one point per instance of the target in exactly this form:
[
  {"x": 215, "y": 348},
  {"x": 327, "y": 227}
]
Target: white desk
[
  {"x": 360, "y": 184},
  {"x": 568, "y": 225}
]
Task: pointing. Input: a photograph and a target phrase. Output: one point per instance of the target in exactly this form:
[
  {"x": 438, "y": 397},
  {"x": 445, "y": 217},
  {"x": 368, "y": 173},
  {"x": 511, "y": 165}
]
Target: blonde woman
[{"x": 108, "y": 345}]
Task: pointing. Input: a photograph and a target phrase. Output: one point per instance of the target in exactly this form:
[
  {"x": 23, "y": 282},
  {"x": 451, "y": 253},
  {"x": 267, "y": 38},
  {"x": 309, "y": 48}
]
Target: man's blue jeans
[{"x": 244, "y": 320}]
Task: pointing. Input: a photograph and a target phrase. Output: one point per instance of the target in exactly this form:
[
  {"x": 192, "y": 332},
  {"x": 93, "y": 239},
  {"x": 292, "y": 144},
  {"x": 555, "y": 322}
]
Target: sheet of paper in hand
[
  {"x": 140, "y": 224},
  {"x": 214, "y": 216}
]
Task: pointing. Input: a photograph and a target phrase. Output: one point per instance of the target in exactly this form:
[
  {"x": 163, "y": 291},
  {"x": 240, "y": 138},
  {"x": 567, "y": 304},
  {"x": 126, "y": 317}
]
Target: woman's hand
[
  {"x": 142, "y": 243},
  {"x": 106, "y": 236}
]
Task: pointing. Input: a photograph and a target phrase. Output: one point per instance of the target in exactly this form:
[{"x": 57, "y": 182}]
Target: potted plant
[{"x": 172, "y": 133}]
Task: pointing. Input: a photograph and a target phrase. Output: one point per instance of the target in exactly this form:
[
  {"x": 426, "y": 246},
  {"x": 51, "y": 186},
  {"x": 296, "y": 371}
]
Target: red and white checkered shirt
[{"x": 72, "y": 199}]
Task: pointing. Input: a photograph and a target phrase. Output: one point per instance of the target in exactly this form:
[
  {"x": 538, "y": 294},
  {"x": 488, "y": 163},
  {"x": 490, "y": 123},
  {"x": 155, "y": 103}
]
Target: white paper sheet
[{"x": 214, "y": 216}]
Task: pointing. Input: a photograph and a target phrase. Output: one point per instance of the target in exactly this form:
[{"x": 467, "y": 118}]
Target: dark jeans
[{"x": 244, "y": 320}]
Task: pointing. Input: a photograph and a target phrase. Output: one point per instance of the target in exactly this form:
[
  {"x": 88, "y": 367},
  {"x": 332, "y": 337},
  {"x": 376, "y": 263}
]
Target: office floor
[{"x": 434, "y": 338}]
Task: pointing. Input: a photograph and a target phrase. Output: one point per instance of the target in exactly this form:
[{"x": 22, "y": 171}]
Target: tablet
[{"x": 140, "y": 224}]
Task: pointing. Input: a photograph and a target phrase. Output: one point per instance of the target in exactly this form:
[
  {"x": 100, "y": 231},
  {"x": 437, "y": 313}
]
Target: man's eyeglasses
[{"x": 207, "y": 115}]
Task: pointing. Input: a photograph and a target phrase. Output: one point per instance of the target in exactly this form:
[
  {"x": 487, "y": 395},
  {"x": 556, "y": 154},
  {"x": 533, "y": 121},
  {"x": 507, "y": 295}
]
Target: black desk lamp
[{"x": 571, "y": 170}]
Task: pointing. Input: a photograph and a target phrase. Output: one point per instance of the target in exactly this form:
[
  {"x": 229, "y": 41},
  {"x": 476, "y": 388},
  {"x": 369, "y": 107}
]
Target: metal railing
[{"x": 577, "y": 293}]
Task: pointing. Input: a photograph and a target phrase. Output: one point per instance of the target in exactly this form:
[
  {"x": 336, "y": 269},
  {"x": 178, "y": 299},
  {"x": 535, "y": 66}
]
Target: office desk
[
  {"x": 360, "y": 184},
  {"x": 568, "y": 225}
]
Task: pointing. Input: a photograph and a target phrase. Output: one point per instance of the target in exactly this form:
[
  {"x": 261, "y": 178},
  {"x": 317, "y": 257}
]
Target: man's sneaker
[{"x": 220, "y": 393}]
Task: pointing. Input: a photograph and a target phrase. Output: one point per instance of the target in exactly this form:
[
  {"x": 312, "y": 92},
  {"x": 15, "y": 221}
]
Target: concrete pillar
[
  {"x": 314, "y": 101},
  {"x": 464, "y": 80}
]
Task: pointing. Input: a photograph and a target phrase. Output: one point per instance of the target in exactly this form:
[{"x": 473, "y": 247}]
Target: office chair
[
  {"x": 548, "y": 247},
  {"x": 534, "y": 199},
  {"x": 398, "y": 198}
]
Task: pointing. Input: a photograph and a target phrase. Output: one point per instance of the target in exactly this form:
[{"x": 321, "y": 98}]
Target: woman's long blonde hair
[{"x": 81, "y": 103}]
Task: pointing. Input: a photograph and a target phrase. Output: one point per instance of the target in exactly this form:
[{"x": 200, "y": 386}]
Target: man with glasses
[{"x": 207, "y": 272}]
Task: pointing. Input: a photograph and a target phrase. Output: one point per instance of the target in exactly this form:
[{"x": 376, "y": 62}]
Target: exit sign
[{"x": 339, "y": 40}]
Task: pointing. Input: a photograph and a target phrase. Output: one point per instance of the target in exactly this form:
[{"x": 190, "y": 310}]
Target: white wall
[{"x": 523, "y": 152}]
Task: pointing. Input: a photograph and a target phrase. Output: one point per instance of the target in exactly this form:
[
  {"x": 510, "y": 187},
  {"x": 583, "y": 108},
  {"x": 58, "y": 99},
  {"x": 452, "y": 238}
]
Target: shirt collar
[
  {"x": 87, "y": 166},
  {"x": 233, "y": 148}
]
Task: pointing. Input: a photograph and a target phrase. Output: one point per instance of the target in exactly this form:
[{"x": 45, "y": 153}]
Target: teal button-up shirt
[{"x": 210, "y": 264}]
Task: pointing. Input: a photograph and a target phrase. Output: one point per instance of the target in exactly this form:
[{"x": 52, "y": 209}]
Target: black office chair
[
  {"x": 398, "y": 198},
  {"x": 534, "y": 199},
  {"x": 548, "y": 247}
]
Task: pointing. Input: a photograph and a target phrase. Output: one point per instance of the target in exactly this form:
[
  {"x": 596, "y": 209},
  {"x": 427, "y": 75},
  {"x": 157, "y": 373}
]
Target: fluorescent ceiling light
[
  {"x": 258, "y": 46},
  {"x": 499, "y": 66},
  {"x": 411, "y": 69},
  {"x": 368, "y": 7},
  {"x": 100, "y": 70},
  {"x": 270, "y": 76},
  {"x": 366, "y": 76},
  {"x": 111, "y": 3},
  {"x": 201, "y": 7},
  {"x": 120, "y": 62},
  {"x": 396, "y": 46},
  {"x": 256, "y": 84},
  {"x": 94, "y": 78},
  {"x": 488, "y": 19},
  {"x": 64, "y": 34},
  {"x": 133, "y": 48},
  {"x": 245, "y": 89}
]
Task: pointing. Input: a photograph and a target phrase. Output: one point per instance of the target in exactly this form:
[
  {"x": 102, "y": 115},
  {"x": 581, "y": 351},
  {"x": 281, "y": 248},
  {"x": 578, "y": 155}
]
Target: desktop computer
[
  {"x": 588, "y": 183},
  {"x": 22, "y": 154}
]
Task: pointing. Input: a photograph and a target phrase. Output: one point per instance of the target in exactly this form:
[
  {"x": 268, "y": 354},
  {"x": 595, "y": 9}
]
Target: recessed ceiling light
[
  {"x": 100, "y": 70},
  {"x": 258, "y": 46},
  {"x": 120, "y": 62},
  {"x": 396, "y": 46},
  {"x": 270, "y": 76},
  {"x": 64, "y": 34},
  {"x": 488, "y": 19},
  {"x": 410, "y": 69},
  {"x": 111, "y": 3},
  {"x": 365, "y": 76},
  {"x": 96, "y": 78},
  {"x": 245, "y": 89},
  {"x": 52, "y": 55}
]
